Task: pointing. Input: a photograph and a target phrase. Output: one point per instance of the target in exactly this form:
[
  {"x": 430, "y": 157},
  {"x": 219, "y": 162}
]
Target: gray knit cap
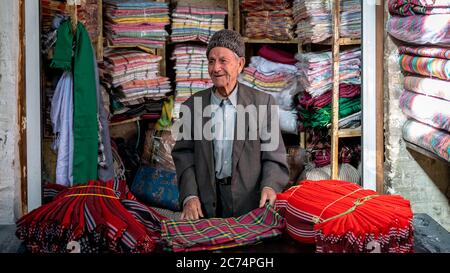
[{"x": 227, "y": 38}]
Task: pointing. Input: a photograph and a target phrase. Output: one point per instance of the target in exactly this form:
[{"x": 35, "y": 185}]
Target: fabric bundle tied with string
[
  {"x": 99, "y": 216},
  {"x": 340, "y": 216}
]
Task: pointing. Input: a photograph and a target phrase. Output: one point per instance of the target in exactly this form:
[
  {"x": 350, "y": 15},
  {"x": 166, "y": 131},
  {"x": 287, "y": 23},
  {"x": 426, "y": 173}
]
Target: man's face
[{"x": 224, "y": 67}]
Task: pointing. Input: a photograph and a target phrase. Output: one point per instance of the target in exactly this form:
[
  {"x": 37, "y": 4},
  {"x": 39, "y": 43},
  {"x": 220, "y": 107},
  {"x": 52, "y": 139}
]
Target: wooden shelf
[
  {"x": 354, "y": 132},
  {"x": 124, "y": 121},
  {"x": 424, "y": 152},
  {"x": 342, "y": 42},
  {"x": 268, "y": 41}
]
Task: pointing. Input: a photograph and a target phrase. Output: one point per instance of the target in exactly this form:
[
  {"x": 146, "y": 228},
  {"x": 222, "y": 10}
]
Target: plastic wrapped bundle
[
  {"x": 340, "y": 217},
  {"x": 421, "y": 29},
  {"x": 276, "y": 25}
]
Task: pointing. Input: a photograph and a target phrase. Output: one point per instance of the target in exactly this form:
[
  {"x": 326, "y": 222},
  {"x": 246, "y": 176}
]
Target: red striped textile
[
  {"x": 100, "y": 216},
  {"x": 340, "y": 216},
  {"x": 217, "y": 233}
]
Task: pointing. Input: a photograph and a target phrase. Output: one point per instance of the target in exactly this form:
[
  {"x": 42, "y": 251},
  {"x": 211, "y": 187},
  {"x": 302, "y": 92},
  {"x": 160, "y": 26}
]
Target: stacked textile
[
  {"x": 315, "y": 69},
  {"x": 50, "y": 8},
  {"x": 276, "y": 75},
  {"x": 429, "y": 138},
  {"x": 132, "y": 78},
  {"x": 195, "y": 23},
  {"x": 191, "y": 67},
  {"x": 136, "y": 23},
  {"x": 219, "y": 233},
  {"x": 427, "y": 70},
  {"x": 268, "y": 19},
  {"x": 431, "y": 29},
  {"x": 313, "y": 19},
  {"x": 340, "y": 217},
  {"x": 99, "y": 216}
]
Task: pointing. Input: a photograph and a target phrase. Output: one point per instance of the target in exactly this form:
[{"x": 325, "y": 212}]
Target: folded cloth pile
[
  {"x": 315, "y": 70},
  {"x": 191, "y": 68},
  {"x": 313, "y": 19},
  {"x": 275, "y": 22},
  {"x": 432, "y": 139},
  {"x": 340, "y": 216},
  {"x": 427, "y": 127},
  {"x": 136, "y": 23},
  {"x": 218, "y": 233},
  {"x": 276, "y": 75},
  {"x": 196, "y": 23},
  {"x": 99, "y": 216},
  {"x": 50, "y": 8},
  {"x": 133, "y": 75}
]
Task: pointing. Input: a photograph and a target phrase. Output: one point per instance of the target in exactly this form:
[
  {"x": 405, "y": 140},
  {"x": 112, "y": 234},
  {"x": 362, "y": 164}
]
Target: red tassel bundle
[
  {"x": 341, "y": 216},
  {"x": 93, "y": 216}
]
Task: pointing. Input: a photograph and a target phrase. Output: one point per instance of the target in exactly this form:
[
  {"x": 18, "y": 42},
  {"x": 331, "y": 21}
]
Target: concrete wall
[
  {"x": 422, "y": 180},
  {"x": 9, "y": 133}
]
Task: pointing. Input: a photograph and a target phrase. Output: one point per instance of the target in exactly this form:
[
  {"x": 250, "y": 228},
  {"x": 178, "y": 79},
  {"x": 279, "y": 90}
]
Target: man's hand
[
  {"x": 192, "y": 210},
  {"x": 267, "y": 193}
]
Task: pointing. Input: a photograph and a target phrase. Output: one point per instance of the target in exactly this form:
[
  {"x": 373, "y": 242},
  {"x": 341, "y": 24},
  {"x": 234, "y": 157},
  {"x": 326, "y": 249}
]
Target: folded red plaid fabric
[{"x": 217, "y": 233}]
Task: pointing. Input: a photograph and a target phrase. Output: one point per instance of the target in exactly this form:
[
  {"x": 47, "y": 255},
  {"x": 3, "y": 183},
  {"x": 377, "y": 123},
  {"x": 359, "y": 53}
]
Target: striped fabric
[
  {"x": 316, "y": 72},
  {"x": 428, "y": 86},
  {"x": 196, "y": 23},
  {"x": 432, "y": 67},
  {"x": 339, "y": 217},
  {"x": 413, "y": 7},
  {"x": 425, "y": 51},
  {"x": 218, "y": 233},
  {"x": 313, "y": 19},
  {"x": 94, "y": 215},
  {"x": 429, "y": 110},
  {"x": 427, "y": 137},
  {"x": 421, "y": 29},
  {"x": 141, "y": 22}
]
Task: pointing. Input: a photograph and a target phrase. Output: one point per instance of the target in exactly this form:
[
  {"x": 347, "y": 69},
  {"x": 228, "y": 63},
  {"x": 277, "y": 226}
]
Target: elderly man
[{"x": 228, "y": 176}]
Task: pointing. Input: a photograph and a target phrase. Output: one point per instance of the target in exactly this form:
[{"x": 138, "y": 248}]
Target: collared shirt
[{"x": 224, "y": 120}]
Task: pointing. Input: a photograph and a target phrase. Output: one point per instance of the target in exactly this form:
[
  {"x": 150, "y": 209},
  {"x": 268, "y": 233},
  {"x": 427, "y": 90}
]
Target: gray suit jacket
[{"x": 252, "y": 169}]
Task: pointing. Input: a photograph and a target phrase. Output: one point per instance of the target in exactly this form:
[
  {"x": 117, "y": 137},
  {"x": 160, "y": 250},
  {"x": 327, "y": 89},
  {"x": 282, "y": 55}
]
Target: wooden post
[
  {"x": 380, "y": 99},
  {"x": 335, "y": 12}
]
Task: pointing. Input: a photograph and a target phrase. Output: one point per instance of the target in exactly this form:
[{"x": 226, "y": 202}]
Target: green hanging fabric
[
  {"x": 165, "y": 120},
  {"x": 85, "y": 99}
]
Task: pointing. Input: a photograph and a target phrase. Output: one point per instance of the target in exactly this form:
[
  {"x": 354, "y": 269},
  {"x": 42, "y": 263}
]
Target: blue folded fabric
[{"x": 156, "y": 187}]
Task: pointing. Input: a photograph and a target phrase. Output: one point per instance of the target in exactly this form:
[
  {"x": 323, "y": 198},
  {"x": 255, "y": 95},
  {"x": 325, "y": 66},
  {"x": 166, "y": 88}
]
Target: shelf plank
[
  {"x": 268, "y": 41},
  {"x": 353, "y": 132},
  {"x": 342, "y": 42},
  {"x": 424, "y": 152},
  {"x": 124, "y": 121}
]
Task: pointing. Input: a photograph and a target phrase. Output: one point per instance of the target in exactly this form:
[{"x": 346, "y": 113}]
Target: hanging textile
[
  {"x": 85, "y": 123},
  {"x": 217, "y": 233},
  {"x": 340, "y": 216},
  {"x": 61, "y": 114}
]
